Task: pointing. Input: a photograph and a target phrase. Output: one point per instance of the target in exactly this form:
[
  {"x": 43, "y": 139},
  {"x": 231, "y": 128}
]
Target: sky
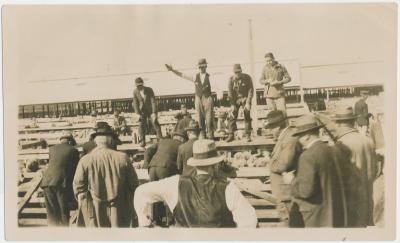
[{"x": 70, "y": 53}]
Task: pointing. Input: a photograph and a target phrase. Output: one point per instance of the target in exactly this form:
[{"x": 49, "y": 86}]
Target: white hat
[{"x": 204, "y": 153}]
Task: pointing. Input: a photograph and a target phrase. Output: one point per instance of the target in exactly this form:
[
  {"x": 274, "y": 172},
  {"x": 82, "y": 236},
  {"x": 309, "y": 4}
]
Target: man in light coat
[
  {"x": 362, "y": 155},
  {"x": 104, "y": 184}
]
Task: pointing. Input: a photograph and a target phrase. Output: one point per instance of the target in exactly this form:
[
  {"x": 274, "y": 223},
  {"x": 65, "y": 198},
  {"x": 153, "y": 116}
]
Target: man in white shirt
[
  {"x": 204, "y": 103},
  {"x": 203, "y": 200}
]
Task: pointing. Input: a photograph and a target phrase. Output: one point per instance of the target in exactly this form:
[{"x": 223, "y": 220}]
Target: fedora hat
[
  {"x": 204, "y": 153},
  {"x": 364, "y": 92},
  {"x": 202, "y": 62},
  {"x": 343, "y": 114},
  {"x": 305, "y": 124},
  {"x": 103, "y": 129},
  {"x": 274, "y": 117},
  {"x": 237, "y": 67},
  {"x": 193, "y": 126}
]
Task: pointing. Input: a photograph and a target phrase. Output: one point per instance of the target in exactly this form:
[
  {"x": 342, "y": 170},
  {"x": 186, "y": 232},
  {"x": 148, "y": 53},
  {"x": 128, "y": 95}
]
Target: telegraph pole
[{"x": 253, "y": 111}]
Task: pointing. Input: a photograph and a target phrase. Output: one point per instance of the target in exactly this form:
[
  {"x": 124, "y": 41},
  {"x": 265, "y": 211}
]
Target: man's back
[
  {"x": 166, "y": 153},
  {"x": 202, "y": 202},
  {"x": 317, "y": 189},
  {"x": 62, "y": 164},
  {"x": 108, "y": 173}
]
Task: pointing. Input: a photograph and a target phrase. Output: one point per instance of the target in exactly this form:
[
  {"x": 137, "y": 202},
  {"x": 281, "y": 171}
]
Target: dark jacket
[
  {"x": 162, "y": 154},
  {"x": 144, "y": 105},
  {"x": 284, "y": 158},
  {"x": 241, "y": 88},
  {"x": 202, "y": 203},
  {"x": 63, "y": 160},
  {"x": 202, "y": 89},
  {"x": 185, "y": 151},
  {"x": 361, "y": 109},
  {"x": 316, "y": 190}
]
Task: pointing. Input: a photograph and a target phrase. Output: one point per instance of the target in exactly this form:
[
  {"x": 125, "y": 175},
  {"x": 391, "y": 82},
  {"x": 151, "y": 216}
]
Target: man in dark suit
[
  {"x": 185, "y": 151},
  {"x": 203, "y": 102},
  {"x": 160, "y": 160},
  {"x": 361, "y": 110},
  {"x": 284, "y": 158},
  {"x": 240, "y": 92},
  {"x": 317, "y": 188},
  {"x": 57, "y": 180},
  {"x": 144, "y": 104}
]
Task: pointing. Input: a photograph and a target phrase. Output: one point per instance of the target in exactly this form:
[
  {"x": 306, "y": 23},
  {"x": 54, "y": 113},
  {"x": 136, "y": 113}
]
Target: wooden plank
[
  {"x": 34, "y": 211},
  {"x": 267, "y": 213},
  {"x": 271, "y": 224},
  {"x": 237, "y": 145},
  {"x": 259, "y": 202},
  {"x": 243, "y": 186},
  {"x": 249, "y": 172},
  {"x": 34, "y": 185},
  {"x": 32, "y": 222}
]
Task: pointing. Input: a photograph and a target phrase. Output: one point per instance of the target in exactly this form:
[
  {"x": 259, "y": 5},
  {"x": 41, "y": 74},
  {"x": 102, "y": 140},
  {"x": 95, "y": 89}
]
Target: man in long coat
[
  {"x": 104, "y": 184},
  {"x": 144, "y": 104},
  {"x": 317, "y": 188},
  {"x": 284, "y": 158},
  {"x": 362, "y": 156},
  {"x": 57, "y": 180}
]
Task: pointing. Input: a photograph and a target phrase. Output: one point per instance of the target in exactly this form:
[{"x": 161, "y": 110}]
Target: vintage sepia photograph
[{"x": 219, "y": 121}]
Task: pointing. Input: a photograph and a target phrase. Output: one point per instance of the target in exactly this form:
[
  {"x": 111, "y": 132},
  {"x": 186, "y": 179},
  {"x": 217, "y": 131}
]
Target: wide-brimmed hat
[
  {"x": 237, "y": 67},
  {"x": 204, "y": 153},
  {"x": 193, "y": 126},
  {"x": 202, "y": 62},
  {"x": 344, "y": 114},
  {"x": 139, "y": 81},
  {"x": 305, "y": 124},
  {"x": 274, "y": 118}
]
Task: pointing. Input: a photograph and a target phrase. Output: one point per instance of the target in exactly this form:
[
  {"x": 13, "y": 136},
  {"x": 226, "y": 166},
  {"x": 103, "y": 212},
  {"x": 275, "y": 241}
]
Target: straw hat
[{"x": 204, "y": 153}]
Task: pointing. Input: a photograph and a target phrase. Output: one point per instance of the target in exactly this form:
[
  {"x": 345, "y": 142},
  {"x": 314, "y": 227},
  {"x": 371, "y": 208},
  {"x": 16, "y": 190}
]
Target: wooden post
[{"x": 253, "y": 111}]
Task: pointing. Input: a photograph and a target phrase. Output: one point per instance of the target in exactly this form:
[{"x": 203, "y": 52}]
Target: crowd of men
[{"x": 317, "y": 184}]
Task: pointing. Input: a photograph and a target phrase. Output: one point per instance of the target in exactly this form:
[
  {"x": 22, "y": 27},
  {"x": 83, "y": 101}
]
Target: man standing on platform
[
  {"x": 204, "y": 104},
  {"x": 144, "y": 104},
  {"x": 284, "y": 159},
  {"x": 274, "y": 75},
  {"x": 57, "y": 180},
  {"x": 240, "y": 92},
  {"x": 361, "y": 110},
  {"x": 202, "y": 199}
]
